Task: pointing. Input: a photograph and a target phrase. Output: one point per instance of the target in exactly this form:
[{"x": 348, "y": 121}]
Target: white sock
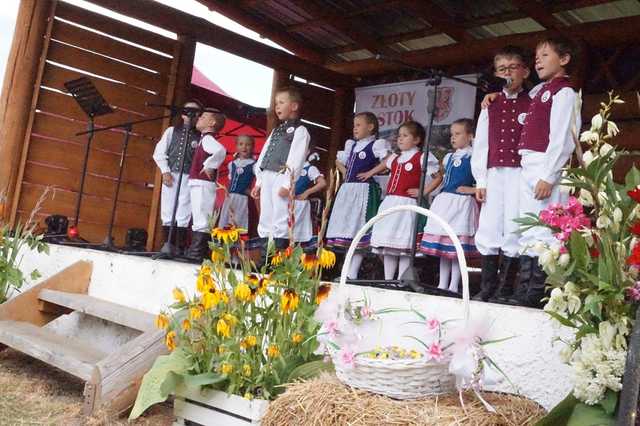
[
  {"x": 403, "y": 265},
  {"x": 390, "y": 265},
  {"x": 445, "y": 273},
  {"x": 356, "y": 261},
  {"x": 455, "y": 276}
]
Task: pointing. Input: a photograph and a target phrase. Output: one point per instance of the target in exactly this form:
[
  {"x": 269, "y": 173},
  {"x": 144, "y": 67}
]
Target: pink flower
[
  {"x": 347, "y": 357},
  {"x": 563, "y": 250},
  {"x": 331, "y": 327},
  {"x": 634, "y": 292},
  {"x": 574, "y": 207},
  {"x": 433, "y": 324},
  {"x": 435, "y": 352}
]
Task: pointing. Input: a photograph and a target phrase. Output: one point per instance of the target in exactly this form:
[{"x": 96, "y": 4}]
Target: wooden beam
[
  {"x": 398, "y": 38},
  {"x": 538, "y": 13},
  {"x": 438, "y": 19},
  {"x": 596, "y": 34},
  {"x": 267, "y": 28},
  {"x": 205, "y": 32},
  {"x": 350, "y": 29},
  {"x": 23, "y": 69}
]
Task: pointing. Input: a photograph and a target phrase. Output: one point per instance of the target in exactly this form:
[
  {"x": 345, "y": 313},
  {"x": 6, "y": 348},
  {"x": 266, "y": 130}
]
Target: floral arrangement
[
  {"x": 246, "y": 331},
  {"x": 593, "y": 267}
]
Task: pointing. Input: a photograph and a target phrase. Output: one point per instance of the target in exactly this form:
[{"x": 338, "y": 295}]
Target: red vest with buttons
[
  {"x": 505, "y": 124},
  {"x": 535, "y": 132},
  {"x": 199, "y": 156},
  {"x": 401, "y": 179}
]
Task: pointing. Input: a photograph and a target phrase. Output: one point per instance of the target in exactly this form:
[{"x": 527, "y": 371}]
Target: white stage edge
[{"x": 529, "y": 359}]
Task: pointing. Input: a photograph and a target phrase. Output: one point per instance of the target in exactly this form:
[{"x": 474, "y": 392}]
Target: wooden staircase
[{"x": 112, "y": 378}]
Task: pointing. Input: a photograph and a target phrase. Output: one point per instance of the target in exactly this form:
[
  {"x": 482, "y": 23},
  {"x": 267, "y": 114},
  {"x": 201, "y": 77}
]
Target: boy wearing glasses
[{"x": 496, "y": 168}]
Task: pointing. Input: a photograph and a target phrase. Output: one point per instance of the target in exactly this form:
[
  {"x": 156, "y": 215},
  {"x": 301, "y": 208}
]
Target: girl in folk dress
[
  {"x": 309, "y": 182},
  {"x": 359, "y": 196},
  {"x": 456, "y": 205},
  {"x": 392, "y": 236},
  {"x": 235, "y": 209}
]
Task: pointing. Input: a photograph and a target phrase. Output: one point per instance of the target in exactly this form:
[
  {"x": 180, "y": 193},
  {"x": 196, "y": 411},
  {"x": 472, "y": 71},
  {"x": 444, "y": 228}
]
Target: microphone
[
  {"x": 188, "y": 111},
  {"x": 491, "y": 83}
]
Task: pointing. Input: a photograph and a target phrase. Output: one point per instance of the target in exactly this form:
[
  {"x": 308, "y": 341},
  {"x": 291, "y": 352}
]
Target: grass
[{"x": 34, "y": 393}]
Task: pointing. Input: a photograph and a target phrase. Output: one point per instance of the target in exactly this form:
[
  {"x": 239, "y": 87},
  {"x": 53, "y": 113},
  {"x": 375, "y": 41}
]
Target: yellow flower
[
  {"x": 243, "y": 293},
  {"x": 289, "y": 301},
  {"x": 228, "y": 234},
  {"x": 204, "y": 283},
  {"x": 327, "y": 258},
  {"x": 248, "y": 342},
  {"x": 195, "y": 312},
  {"x": 273, "y": 351},
  {"x": 224, "y": 297},
  {"x": 162, "y": 321},
  {"x": 259, "y": 284},
  {"x": 297, "y": 338},
  {"x": 226, "y": 368},
  {"x": 178, "y": 295},
  {"x": 280, "y": 256},
  {"x": 248, "y": 396},
  {"x": 323, "y": 293},
  {"x": 223, "y": 328},
  {"x": 170, "y": 340},
  {"x": 222, "y": 349},
  {"x": 230, "y": 319},
  {"x": 186, "y": 325},
  {"x": 217, "y": 255},
  {"x": 210, "y": 298},
  {"x": 246, "y": 370},
  {"x": 309, "y": 261}
]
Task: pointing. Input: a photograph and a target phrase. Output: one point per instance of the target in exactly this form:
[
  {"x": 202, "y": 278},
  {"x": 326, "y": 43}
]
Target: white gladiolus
[
  {"x": 612, "y": 128},
  {"x": 573, "y": 304},
  {"x": 596, "y": 123},
  {"x": 585, "y": 198},
  {"x": 556, "y": 302},
  {"x": 587, "y": 157},
  {"x": 603, "y": 222},
  {"x": 565, "y": 353},
  {"x": 570, "y": 288},
  {"x": 607, "y": 332},
  {"x": 564, "y": 259},
  {"x": 602, "y": 197},
  {"x": 617, "y": 215},
  {"x": 605, "y": 149},
  {"x": 589, "y": 136},
  {"x": 540, "y": 248},
  {"x": 547, "y": 261}
]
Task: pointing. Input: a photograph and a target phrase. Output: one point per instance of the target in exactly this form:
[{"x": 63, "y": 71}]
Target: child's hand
[
  {"x": 413, "y": 192},
  {"x": 255, "y": 192},
  {"x": 481, "y": 195},
  {"x": 542, "y": 190},
  {"x": 167, "y": 179},
  {"x": 283, "y": 192},
  {"x": 488, "y": 100},
  {"x": 364, "y": 176},
  {"x": 208, "y": 172},
  {"x": 302, "y": 196}
]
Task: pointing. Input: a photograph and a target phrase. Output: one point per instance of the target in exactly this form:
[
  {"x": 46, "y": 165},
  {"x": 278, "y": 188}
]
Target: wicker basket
[{"x": 403, "y": 378}]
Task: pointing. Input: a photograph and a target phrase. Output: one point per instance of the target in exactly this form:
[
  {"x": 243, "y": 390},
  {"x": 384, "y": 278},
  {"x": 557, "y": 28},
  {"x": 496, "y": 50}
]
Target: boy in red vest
[
  {"x": 207, "y": 158},
  {"x": 496, "y": 168},
  {"x": 546, "y": 144}
]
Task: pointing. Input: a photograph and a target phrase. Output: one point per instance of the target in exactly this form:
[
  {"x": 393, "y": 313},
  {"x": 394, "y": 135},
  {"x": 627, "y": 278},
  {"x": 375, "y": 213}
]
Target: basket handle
[{"x": 431, "y": 215}]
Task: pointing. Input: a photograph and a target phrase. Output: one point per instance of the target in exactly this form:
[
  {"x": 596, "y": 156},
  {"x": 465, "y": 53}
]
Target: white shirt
[
  {"x": 381, "y": 148},
  {"x": 561, "y": 125},
  {"x": 160, "y": 152},
  {"x": 295, "y": 160},
  {"x": 214, "y": 160},
  {"x": 480, "y": 157},
  {"x": 432, "y": 162}
]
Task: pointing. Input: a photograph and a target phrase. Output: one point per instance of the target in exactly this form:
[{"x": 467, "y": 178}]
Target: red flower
[
  {"x": 635, "y": 194},
  {"x": 634, "y": 259},
  {"x": 635, "y": 228},
  {"x": 594, "y": 252}
]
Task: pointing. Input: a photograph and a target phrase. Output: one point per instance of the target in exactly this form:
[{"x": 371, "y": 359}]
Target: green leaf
[
  {"x": 560, "y": 414},
  {"x": 610, "y": 401},
  {"x": 204, "y": 379},
  {"x": 562, "y": 320},
  {"x": 590, "y": 415},
  {"x": 160, "y": 381},
  {"x": 309, "y": 370}
]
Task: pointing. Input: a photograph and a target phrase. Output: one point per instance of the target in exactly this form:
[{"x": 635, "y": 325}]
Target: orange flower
[
  {"x": 309, "y": 261},
  {"x": 178, "y": 295},
  {"x": 186, "y": 325},
  {"x": 297, "y": 338},
  {"x": 289, "y": 301},
  {"x": 323, "y": 293},
  {"x": 170, "y": 340},
  {"x": 228, "y": 234},
  {"x": 273, "y": 351},
  {"x": 162, "y": 321},
  {"x": 327, "y": 258},
  {"x": 195, "y": 312}
]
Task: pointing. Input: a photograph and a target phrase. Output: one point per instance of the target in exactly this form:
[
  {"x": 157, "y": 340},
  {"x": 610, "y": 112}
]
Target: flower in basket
[{"x": 593, "y": 265}]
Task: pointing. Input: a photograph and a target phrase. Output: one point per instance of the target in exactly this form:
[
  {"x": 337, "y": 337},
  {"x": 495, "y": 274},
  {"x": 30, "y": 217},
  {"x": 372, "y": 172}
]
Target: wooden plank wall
[{"x": 128, "y": 76}]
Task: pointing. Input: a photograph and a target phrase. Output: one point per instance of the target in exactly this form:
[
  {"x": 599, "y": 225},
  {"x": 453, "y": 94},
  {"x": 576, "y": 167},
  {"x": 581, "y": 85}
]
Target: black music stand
[{"x": 94, "y": 105}]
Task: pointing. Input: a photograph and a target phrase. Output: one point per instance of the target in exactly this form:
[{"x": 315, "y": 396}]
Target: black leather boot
[
  {"x": 180, "y": 240},
  {"x": 489, "y": 277},
  {"x": 536, "y": 289},
  {"x": 508, "y": 276},
  {"x": 199, "y": 246},
  {"x": 524, "y": 279}
]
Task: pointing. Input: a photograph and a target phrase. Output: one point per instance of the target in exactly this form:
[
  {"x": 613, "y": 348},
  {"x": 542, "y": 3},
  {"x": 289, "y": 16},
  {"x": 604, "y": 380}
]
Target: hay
[{"x": 326, "y": 401}]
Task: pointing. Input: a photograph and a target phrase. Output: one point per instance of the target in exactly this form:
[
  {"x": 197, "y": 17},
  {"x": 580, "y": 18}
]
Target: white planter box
[{"x": 215, "y": 408}]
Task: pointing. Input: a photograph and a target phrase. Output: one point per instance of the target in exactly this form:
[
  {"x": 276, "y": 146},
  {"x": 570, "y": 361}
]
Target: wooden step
[
  {"x": 67, "y": 354},
  {"x": 119, "y": 314}
]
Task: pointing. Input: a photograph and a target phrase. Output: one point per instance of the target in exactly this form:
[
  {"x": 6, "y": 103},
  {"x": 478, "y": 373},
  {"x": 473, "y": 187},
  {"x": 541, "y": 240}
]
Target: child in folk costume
[
  {"x": 456, "y": 205},
  {"x": 208, "y": 157},
  {"x": 496, "y": 166},
  {"x": 392, "y": 236},
  {"x": 235, "y": 210},
  {"x": 282, "y": 158},
  {"x": 546, "y": 144},
  {"x": 310, "y": 181},
  {"x": 168, "y": 154},
  {"x": 358, "y": 198}
]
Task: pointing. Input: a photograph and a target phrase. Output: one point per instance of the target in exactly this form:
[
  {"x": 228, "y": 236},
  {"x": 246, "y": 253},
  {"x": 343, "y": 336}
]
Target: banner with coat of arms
[{"x": 396, "y": 103}]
